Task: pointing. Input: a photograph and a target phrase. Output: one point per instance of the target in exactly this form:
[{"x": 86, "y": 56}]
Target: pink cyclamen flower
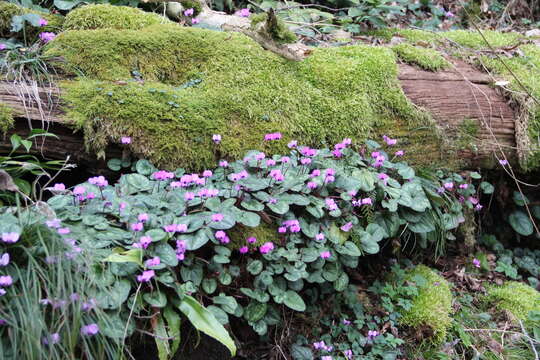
[
  {"x": 217, "y": 217},
  {"x": 270, "y": 162},
  {"x": 372, "y": 334},
  {"x": 348, "y": 354},
  {"x": 473, "y": 200},
  {"x": 325, "y": 254},
  {"x": 137, "y": 226},
  {"x": 189, "y": 12},
  {"x": 207, "y": 173},
  {"x": 195, "y": 21},
  {"x": 162, "y": 175},
  {"x": 367, "y": 201},
  {"x": 285, "y": 159},
  {"x": 146, "y": 276},
  {"x": 312, "y": 185},
  {"x": 189, "y": 196},
  {"x": 331, "y": 204},
  {"x": 47, "y": 36},
  {"x": 6, "y": 280},
  {"x": 98, "y": 181},
  {"x": 243, "y": 250},
  {"x": 449, "y": 14},
  {"x": 59, "y": 187},
  {"x": 346, "y": 322},
  {"x": 319, "y": 345},
  {"x": 463, "y": 186},
  {"x": 251, "y": 240},
  {"x": 389, "y": 141},
  {"x": 4, "y": 259},
  {"x": 448, "y": 185},
  {"x": 143, "y": 217},
  {"x": 10, "y": 237},
  {"x": 319, "y": 237},
  {"x": 90, "y": 330},
  {"x": 305, "y": 161},
  {"x": 243, "y": 12},
  {"x": 383, "y": 177},
  {"x": 79, "y": 190},
  {"x": 272, "y": 136},
  {"x": 399, "y": 153},
  {"x": 266, "y": 247},
  {"x": 326, "y": 357},
  {"x": 292, "y": 144},
  {"x": 216, "y": 138},
  {"x": 2, "y": 293},
  {"x": 223, "y": 163},
  {"x": 54, "y": 223},
  {"x": 503, "y": 162},
  {"x": 43, "y": 22},
  {"x": 476, "y": 263},
  {"x": 125, "y": 140},
  {"x": 478, "y": 207},
  {"x": 3, "y": 47},
  {"x": 63, "y": 231},
  {"x": 347, "y": 227},
  {"x": 155, "y": 261},
  {"x": 51, "y": 339}
]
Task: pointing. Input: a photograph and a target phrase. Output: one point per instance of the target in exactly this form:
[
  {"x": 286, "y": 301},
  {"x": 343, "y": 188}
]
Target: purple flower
[
  {"x": 195, "y": 21},
  {"x": 216, "y": 138},
  {"x": 476, "y": 263},
  {"x": 319, "y": 237},
  {"x": 282, "y": 230},
  {"x": 217, "y": 217},
  {"x": 3, "y": 47},
  {"x": 319, "y": 345},
  {"x": 383, "y": 177},
  {"x": 372, "y": 334},
  {"x": 54, "y": 223},
  {"x": 51, "y": 339},
  {"x": 348, "y": 354},
  {"x": 162, "y": 175},
  {"x": 270, "y": 162},
  {"x": 79, "y": 190},
  {"x": 4, "y": 259},
  {"x": 47, "y": 36},
  {"x": 155, "y": 261},
  {"x": 346, "y": 322},
  {"x": 312, "y": 185},
  {"x": 305, "y": 161},
  {"x": 399, "y": 153},
  {"x": 326, "y": 357},
  {"x": 143, "y": 242},
  {"x": 11, "y": 237},
  {"x": 331, "y": 204},
  {"x": 272, "y": 136},
  {"x": 243, "y": 12},
  {"x": 143, "y": 217},
  {"x": 292, "y": 144},
  {"x": 243, "y": 250},
  {"x": 63, "y": 231},
  {"x": 266, "y": 247},
  {"x": 89, "y": 330},
  {"x": 448, "y": 185},
  {"x": 347, "y": 227},
  {"x": 223, "y": 163},
  {"x": 285, "y": 159},
  {"x": 325, "y": 254},
  {"x": 59, "y": 187},
  {"x": 449, "y": 14},
  {"x": 207, "y": 173},
  {"x": 98, "y": 181},
  {"x": 146, "y": 276},
  {"x": 389, "y": 141},
  {"x": 366, "y": 201},
  {"x": 277, "y": 175},
  {"x": 125, "y": 140},
  {"x": 478, "y": 207},
  {"x": 43, "y": 22},
  {"x": 463, "y": 186},
  {"x": 137, "y": 226},
  {"x": 6, "y": 280},
  {"x": 503, "y": 162},
  {"x": 315, "y": 173},
  {"x": 272, "y": 201},
  {"x": 189, "y": 12},
  {"x": 2, "y": 292},
  {"x": 251, "y": 240}
]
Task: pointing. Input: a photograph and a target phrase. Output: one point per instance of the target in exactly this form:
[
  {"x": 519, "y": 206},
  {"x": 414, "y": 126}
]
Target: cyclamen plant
[{"x": 169, "y": 240}]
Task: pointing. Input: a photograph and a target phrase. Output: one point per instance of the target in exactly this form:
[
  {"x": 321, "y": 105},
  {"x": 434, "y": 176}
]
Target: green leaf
[
  {"x": 166, "y": 253},
  {"x": 521, "y": 223},
  {"x": 249, "y": 219},
  {"x": 156, "y": 298},
  {"x": 406, "y": 172},
  {"x": 173, "y": 327},
  {"x": 114, "y": 164},
  {"x": 203, "y": 320},
  {"x": 366, "y": 179},
  {"x": 67, "y": 5},
  {"x": 209, "y": 285},
  {"x": 120, "y": 255},
  {"x": 280, "y": 208},
  {"x": 255, "y": 267},
  {"x": 144, "y": 167},
  {"x": 114, "y": 297},
  {"x": 252, "y": 205},
  {"x": 160, "y": 337},
  {"x": 255, "y": 311},
  {"x": 341, "y": 283},
  {"x": 228, "y": 303},
  {"x": 520, "y": 199},
  {"x": 487, "y": 188},
  {"x": 294, "y": 301},
  {"x": 220, "y": 315}
]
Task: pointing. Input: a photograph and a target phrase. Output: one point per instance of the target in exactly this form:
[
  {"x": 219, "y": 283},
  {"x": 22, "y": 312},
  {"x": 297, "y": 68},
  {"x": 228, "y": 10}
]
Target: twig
[{"x": 532, "y": 344}]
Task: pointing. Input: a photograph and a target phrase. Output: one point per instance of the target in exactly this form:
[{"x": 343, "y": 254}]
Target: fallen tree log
[{"x": 458, "y": 97}]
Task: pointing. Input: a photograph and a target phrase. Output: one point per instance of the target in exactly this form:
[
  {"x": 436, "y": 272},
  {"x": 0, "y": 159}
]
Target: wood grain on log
[{"x": 451, "y": 96}]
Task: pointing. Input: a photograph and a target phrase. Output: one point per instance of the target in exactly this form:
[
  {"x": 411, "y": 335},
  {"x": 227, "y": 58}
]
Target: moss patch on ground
[
  {"x": 106, "y": 16},
  {"x": 6, "y": 118},
  {"x": 426, "y": 58},
  {"x": 199, "y": 82},
  {"x": 432, "y": 306},
  {"x": 515, "y": 297}
]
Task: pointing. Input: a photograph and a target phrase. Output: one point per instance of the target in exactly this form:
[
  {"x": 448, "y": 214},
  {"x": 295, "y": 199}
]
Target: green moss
[
  {"x": 244, "y": 92},
  {"x": 279, "y": 32},
  {"x": 426, "y": 58},
  {"x": 8, "y": 10},
  {"x": 106, "y": 16},
  {"x": 6, "y": 118},
  {"x": 263, "y": 233},
  {"x": 432, "y": 306},
  {"x": 515, "y": 297}
]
